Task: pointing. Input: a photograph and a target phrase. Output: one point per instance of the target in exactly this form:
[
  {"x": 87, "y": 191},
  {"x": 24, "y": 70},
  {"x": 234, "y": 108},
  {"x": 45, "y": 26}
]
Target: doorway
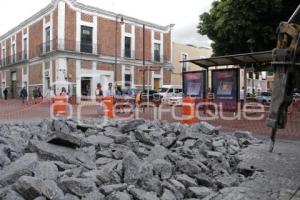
[
  {"x": 156, "y": 83},
  {"x": 14, "y": 86},
  {"x": 86, "y": 87}
]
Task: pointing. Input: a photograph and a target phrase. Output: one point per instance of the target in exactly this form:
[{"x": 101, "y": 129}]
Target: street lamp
[
  {"x": 251, "y": 44},
  {"x": 118, "y": 17}
]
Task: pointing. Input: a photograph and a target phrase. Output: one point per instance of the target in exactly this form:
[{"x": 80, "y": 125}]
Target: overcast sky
[{"x": 184, "y": 14}]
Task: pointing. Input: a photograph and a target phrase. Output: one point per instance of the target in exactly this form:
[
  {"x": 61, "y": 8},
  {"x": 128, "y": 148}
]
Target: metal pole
[
  {"x": 245, "y": 84},
  {"x": 148, "y": 92},
  {"x": 143, "y": 57},
  {"x": 116, "y": 50}
]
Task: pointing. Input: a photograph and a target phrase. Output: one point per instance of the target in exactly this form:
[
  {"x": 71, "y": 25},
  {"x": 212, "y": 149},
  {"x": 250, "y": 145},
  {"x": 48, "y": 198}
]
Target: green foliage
[{"x": 230, "y": 23}]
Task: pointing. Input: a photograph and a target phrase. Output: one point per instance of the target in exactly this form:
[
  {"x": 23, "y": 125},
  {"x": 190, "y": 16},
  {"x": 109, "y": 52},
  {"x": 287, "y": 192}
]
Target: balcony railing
[
  {"x": 68, "y": 45},
  {"x": 14, "y": 59}
]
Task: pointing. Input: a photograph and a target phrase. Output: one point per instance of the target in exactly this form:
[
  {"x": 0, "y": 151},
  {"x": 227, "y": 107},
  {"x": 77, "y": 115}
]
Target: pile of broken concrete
[{"x": 118, "y": 160}]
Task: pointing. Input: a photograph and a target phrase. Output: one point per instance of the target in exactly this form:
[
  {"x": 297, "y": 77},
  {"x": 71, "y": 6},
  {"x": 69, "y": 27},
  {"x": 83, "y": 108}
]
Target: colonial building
[
  {"x": 183, "y": 52},
  {"x": 72, "y": 45}
]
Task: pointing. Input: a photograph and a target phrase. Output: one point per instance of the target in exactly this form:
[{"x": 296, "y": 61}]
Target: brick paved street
[{"x": 14, "y": 110}]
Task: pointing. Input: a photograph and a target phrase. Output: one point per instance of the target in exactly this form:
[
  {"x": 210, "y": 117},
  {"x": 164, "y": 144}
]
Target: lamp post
[
  {"x": 251, "y": 44},
  {"x": 118, "y": 16}
]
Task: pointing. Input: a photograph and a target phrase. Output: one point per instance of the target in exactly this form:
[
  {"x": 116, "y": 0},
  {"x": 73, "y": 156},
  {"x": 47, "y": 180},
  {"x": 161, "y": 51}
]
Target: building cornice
[
  {"x": 83, "y": 7},
  {"x": 112, "y": 14}
]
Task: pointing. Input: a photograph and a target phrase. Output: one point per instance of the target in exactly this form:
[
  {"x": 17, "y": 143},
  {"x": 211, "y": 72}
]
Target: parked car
[
  {"x": 264, "y": 97},
  {"x": 168, "y": 91}
]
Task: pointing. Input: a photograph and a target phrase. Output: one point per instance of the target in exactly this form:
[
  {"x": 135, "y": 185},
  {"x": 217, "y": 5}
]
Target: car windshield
[
  {"x": 267, "y": 94},
  {"x": 163, "y": 89}
]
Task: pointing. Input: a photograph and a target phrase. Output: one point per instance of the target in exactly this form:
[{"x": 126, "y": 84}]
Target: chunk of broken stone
[
  {"x": 11, "y": 195},
  {"x": 131, "y": 125},
  {"x": 108, "y": 189},
  {"x": 23, "y": 166},
  {"x": 46, "y": 170},
  {"x": 59, "y": 153},
  {"x": 95, "y": 195},
  {"x": 162, "y": 168},
  {"x": 186, "y": 180},
  {"x": 131, "y": 165},
  {"x": 31, "y": 187},
  {"x": 119, "y": 196},
  {"x": 77, "y": 186},
  {"x": 168, "y": 195},
  {"x": 199, "y": 192},
  {"x": 140, "y": 194},
  {"x": 101, "y": 140}
]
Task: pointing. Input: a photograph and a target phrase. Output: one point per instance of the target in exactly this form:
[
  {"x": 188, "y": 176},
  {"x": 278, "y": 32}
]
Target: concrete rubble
[{"x": 119, "y": 160}]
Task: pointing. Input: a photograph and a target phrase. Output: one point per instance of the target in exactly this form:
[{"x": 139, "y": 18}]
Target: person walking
[
  {"x": 24, "y": 95},
  {"x": 35, "y": 94},
  {"x": 5, "y": 92}
]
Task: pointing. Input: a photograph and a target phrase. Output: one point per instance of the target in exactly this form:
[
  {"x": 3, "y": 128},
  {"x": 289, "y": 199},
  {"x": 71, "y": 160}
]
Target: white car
[
  {"x": 174, "y": 100},
  {"x": 168, "y": 91}
]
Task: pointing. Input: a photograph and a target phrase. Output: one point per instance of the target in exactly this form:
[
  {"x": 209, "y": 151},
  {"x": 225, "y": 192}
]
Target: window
[
  {"x": 127, "y": 80},
  {"x": 25, "y": 48},
  {"x": 157, "y": 52},
  {"x": 170, "y": 90},
  {"x": 86, "y": 39},
  {"x": 127, "y": 52},
  {"x": 184, "y": 64},
  {"x": 3, "y": 57},
  {"x": 14, "y": 53},
  {"x": 127, "y": 77},
  {"x": 47, "y": 46}
]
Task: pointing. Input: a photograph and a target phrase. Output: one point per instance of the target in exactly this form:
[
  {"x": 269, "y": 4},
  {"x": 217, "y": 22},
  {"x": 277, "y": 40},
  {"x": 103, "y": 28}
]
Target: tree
[{"x": 230, "y": 23}]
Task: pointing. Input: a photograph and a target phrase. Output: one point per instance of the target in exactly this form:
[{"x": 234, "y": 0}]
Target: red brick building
[{"x": 68, "y": 44}]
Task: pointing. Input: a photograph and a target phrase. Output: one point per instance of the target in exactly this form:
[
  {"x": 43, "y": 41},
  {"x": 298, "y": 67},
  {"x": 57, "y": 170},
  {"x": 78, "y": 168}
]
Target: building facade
[
  {"x": 183, "y": 52},
  {"x": 75, "y": 46}
]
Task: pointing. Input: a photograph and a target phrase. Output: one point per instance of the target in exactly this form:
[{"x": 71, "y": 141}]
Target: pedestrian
[
  {"x": 63, "y": 92},
  {"x": 120, "y": 99},
  {"x": 35, "y": 94},
  {"x": 110, "y": 90},
  {"x": 24, "y": 95},
  {"x": 49, "y": 95},
  {"x": 138, "y": 99},
  {"x": 5, "y": 92},
  {"x": 99, "y": 96}
]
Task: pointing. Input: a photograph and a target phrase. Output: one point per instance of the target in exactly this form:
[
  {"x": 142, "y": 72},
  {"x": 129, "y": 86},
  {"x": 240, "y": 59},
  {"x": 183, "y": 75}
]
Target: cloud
[{"x": 188, "y": 35}]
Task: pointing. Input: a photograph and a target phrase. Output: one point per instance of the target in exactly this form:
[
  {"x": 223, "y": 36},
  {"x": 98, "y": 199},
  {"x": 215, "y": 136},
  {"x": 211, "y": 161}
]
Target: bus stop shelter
[{"x": 250, "y": 62}]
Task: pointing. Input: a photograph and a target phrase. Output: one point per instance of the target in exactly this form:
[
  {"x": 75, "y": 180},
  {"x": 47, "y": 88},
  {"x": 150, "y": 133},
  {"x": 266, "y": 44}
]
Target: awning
[{"x": 258, "y": 58}]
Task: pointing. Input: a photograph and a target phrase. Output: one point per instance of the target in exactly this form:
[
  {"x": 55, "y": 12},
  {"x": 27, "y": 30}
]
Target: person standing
[
  {"x": 5, "y": 92},
  {"x": 110, "y": 90},
  {"x": 63, "y": 92},
  {"x": 98, "y": 92},
  {"x": 99, "y": 95},
  {"x": 24, "y": 95}
]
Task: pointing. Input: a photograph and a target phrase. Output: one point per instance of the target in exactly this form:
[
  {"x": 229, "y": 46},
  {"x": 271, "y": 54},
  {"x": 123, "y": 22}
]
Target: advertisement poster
[
  {"x": 225, "y": 84},
  {"x": 194, "y": 84}
]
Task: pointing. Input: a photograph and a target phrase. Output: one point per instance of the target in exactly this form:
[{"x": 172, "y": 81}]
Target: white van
[{"x": 167, "y": 92}]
